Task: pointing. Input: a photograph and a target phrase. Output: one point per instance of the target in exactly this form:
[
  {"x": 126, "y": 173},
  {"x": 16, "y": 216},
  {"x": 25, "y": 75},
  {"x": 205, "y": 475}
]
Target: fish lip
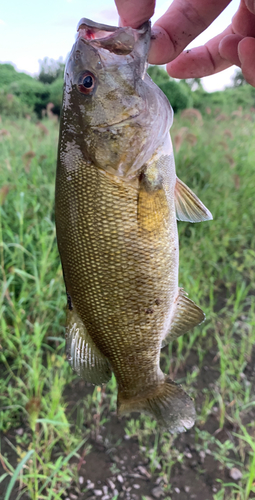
[
  {"x": 97, "y": 26},
  {"x": 105, "y": 27},
  {"x": 92, "y": 28},
  {"x": 89, "y": 31},
  {"x": 121, "y": 41}
]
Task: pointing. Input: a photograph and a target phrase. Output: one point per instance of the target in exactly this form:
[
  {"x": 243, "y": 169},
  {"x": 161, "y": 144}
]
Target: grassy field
[{"x": 60, "y": 437}]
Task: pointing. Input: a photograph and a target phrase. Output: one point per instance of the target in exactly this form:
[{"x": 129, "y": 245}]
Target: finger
[
  {"x": 228, "y": 48},
  {"x": 182, "y": 22},
  {"x": 243, "y": 21},
  {"x": 135, "y": 12},
  {"x": 250, "y": 4},
  {"x": 246, "y": 52},
  {"x": 200, "y": 61}
]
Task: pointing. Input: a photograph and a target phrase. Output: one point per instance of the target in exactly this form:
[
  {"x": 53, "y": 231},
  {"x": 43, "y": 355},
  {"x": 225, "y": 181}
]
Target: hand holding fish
[{"x": 183, "y": 22}]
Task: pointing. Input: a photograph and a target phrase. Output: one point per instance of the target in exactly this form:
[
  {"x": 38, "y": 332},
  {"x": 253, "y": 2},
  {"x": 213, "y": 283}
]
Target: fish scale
[{"x": 114, "y": 280}]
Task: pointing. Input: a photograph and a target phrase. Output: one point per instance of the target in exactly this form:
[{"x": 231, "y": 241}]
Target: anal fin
[
  {"x": 82, "y": 353},
  {"x": 186, "y": 315},
  {"x": 188, "y": 206}
]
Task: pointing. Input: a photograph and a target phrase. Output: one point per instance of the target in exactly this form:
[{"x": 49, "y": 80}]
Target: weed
[{"x": 216, "y": 269}]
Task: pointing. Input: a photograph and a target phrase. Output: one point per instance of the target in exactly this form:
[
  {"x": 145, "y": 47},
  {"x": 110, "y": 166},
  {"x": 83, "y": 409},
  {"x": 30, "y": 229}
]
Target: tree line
[{"x": 22, "y": 94}]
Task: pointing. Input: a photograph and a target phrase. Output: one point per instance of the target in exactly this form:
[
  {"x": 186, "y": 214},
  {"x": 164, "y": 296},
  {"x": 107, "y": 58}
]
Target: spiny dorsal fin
[
  {"x": 186, "y": 316},
  {"x": 188, "y": 206},
  {"x": 82, "y": 353}
]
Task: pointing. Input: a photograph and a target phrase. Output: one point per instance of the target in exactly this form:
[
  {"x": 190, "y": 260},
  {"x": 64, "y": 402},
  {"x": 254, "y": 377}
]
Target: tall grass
[{"x": 216, "y": 269}]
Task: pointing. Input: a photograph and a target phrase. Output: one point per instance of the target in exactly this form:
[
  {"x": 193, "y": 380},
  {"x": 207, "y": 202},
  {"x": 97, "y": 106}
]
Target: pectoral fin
[
  {"x": 188, "y": 206},
  {"x": 186, "y": 316},
  {"x": 82, "y": 353},
  {"x": 152, "y": 210}
]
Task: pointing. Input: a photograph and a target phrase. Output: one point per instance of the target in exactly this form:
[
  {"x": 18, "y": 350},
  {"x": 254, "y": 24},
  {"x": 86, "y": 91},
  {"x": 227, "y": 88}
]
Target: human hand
[{"x": 183, "y": 22}]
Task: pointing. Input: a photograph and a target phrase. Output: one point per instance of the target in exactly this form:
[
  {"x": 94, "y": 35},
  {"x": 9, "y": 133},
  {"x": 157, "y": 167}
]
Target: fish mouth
[
  {"x": 121, "y": 41},
  {"x": 89, "y": 30}
]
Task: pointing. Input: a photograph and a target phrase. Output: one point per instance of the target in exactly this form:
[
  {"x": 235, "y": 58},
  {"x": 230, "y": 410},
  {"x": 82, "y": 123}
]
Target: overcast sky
[{"x": 31, "y": 30}]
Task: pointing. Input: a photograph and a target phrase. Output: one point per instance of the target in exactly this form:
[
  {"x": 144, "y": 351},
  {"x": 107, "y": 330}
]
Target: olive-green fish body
[{"x": 117, "y": 200}]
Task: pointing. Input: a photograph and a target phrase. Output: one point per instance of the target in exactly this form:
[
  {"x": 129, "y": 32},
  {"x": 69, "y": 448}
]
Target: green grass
[{"x": 216, "y": 269}]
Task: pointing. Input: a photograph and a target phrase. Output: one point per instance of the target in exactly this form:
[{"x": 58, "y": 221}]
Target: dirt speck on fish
[{"x": 117, "y": 201}]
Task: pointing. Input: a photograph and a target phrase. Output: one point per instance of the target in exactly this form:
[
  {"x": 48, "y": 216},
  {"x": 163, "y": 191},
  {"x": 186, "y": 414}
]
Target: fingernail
[
  {"x": 220, "y": 45},
  {"x": 240, "y": 53},
  {"x": 250, "y": 4}
]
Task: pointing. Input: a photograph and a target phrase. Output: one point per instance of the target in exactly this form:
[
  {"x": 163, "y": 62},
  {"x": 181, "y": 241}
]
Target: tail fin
[{"x": 168, "y": 403}]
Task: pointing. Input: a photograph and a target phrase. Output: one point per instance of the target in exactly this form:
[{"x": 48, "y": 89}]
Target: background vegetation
[
  {"x": 54, "y": 425},
  {"x": 22, "y": 95}
]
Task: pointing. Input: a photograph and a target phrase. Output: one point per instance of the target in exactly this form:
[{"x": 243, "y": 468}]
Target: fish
[{"x": 117, "y": 202}]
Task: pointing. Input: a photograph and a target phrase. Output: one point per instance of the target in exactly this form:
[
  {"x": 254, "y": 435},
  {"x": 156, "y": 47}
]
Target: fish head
[
  {"x": 104, "y": 67},
  {"x": 107, "y": 104}
]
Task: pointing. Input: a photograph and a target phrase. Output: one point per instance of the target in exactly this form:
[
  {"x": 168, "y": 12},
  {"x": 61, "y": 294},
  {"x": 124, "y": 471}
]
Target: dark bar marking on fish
[
  {"x": 69, "y": 302},
  {"x": 149, "y": 310},
  {"x": 158, "y": 302}
]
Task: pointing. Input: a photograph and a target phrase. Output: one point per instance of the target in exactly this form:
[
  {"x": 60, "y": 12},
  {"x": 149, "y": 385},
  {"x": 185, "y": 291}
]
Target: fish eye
[{"x": 87, "y": 83}]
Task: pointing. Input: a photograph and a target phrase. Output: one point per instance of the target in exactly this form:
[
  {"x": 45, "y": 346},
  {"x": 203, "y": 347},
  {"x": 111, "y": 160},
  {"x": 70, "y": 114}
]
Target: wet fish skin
[{"x": 116, "y": 198}]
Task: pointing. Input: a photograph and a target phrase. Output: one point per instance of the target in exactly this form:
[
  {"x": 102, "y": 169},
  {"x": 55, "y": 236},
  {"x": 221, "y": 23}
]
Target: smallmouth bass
[{"x": 117, "y": 201}]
